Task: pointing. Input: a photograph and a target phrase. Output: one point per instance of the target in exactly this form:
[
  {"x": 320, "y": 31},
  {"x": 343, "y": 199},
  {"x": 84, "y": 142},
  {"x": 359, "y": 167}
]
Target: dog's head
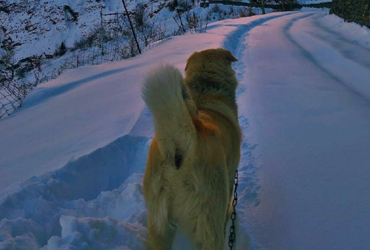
[{"x": 217, "y": 59}]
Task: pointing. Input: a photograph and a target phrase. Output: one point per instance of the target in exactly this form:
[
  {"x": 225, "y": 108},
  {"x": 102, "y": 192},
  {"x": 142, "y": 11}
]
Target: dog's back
[{"x": 193, "y": 157}]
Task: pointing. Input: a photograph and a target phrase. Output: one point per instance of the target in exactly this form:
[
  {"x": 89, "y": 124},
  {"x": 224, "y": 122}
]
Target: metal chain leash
[{"x": 233, "y": 214}]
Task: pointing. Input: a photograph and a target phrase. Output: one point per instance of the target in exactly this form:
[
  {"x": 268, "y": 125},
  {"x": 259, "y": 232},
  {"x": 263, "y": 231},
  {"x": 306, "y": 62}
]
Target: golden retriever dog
[{"x": 188, "y": 182}]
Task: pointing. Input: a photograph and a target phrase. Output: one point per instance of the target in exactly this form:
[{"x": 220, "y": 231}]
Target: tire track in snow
[
  {"x": 235, "y": 43},
  {"x": 248, "y": 180},
  {"x": 348, "y": 49},
  {"x": 334, "y": 74},
  {"x": 249, "y": 185},
  {"x": 340, "y": 38}
]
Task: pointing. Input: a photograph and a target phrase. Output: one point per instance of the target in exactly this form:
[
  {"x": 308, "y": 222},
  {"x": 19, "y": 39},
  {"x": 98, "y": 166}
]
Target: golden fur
[{"x": 188, "y": 182}]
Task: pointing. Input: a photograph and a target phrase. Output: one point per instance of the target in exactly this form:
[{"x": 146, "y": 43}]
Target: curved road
[{"x": 306, "y": 110}]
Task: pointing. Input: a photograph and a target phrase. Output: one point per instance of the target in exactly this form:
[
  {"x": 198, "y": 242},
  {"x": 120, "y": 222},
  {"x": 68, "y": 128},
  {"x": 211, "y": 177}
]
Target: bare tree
[
  {"x": 148, "y": 29},
  {"x": 192, "y": 20},
  {"x": 9, "y": 65},
  {"x": 284, "y": 3},
  {"x": 261, "y": 4},
  {"x": 263, "y": 7}
]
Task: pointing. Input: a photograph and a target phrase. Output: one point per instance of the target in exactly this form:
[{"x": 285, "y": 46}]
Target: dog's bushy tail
[{"x": 173, "y": 110}]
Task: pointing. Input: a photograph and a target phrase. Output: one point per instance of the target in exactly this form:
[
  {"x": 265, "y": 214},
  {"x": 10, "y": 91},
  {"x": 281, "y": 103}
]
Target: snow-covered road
[
  {"x": 304, "y": 107},
  {"x": 308, "y": 106}
]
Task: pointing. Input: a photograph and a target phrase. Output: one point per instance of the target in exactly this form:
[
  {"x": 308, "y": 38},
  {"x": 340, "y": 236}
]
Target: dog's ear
[
  {"x": 229, "y": 56},
  {"x": 189, "y": 59}
]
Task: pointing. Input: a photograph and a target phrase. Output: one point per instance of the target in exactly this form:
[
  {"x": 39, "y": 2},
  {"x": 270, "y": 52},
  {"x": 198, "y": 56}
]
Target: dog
[{"x": 189, "y": 176}]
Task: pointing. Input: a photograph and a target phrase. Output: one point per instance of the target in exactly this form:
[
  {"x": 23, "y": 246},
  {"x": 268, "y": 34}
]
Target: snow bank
[
  {"x": 313, "y": 1},
  {"x": 332, "y": 50},
  {"x": 315, "y": 9},
  {"x": 350, "y": 31},
  {"x": 96, "y": 233},
  {"x": 20, "y": 233},
  {"x": 97, "y": 195}
]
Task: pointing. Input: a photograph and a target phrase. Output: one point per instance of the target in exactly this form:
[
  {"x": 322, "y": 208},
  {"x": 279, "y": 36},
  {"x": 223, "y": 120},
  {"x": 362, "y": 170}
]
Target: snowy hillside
[
  {"x": 314, "y": 1},
  {"x": 41, "y": 26},
  {"x": 39, "y": 32},
  {"x": 72, "y": 158},
  {"x": 40, "y": 40}
]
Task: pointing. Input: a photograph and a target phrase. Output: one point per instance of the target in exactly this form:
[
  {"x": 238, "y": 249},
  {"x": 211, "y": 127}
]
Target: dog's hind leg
[
  {"x": 160, "y": 237},
  {"x": 205, "y": 224},
  {"x": 209, "y": 232}
]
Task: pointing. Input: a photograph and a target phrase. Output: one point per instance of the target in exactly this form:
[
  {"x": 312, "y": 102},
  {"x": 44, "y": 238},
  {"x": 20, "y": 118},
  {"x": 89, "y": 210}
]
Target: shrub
[{"x": 61, "y": 50}]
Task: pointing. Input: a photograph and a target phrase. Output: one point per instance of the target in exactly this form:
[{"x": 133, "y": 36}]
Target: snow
[
  {"x": 313, "y": 1},
  {"x": 310, "y": 125},
  {"x": 352, "y": 32},
  {"x": 72, "y": 158},
  {"x": 41, "y": 26}
]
